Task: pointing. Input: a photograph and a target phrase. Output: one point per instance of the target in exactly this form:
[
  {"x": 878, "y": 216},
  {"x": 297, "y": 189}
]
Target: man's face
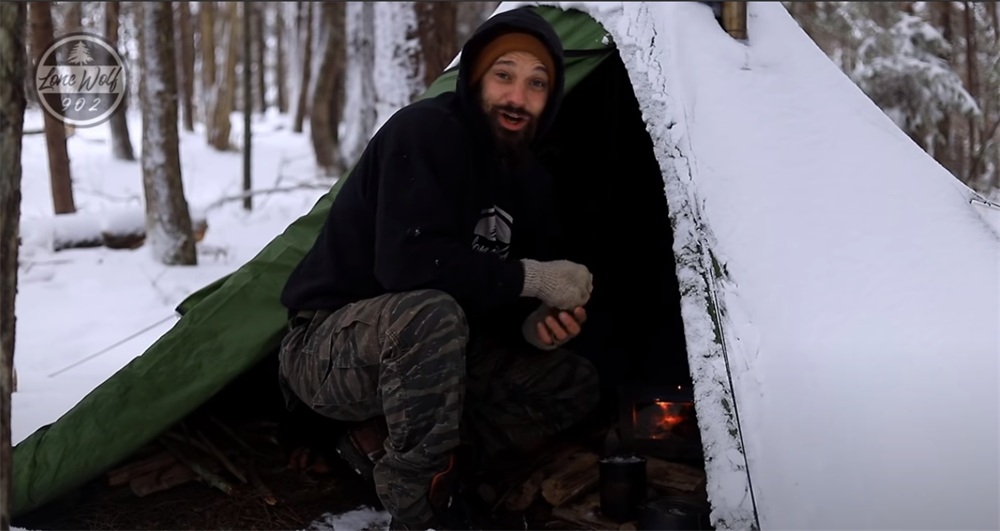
[{"x": 514, "y": 92}]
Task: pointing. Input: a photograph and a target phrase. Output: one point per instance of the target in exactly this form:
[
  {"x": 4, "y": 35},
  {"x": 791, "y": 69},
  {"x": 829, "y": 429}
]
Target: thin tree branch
[{"x": 241, "y": 196}]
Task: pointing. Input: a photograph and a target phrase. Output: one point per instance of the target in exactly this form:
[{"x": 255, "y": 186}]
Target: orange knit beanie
[{"x": 511, "y": 42}]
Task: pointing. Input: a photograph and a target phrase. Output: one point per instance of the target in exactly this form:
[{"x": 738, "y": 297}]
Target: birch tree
[
  {"x": 13, "y": 19},
  {"x": 359, "y": 105},
  {"x": 121, "y": 143},
  {"x": 399, "y": 66},
  {"x": 168, "y": 221}
]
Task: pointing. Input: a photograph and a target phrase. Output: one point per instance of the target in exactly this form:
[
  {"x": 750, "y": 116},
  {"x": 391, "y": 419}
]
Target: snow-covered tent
[{"x": 839, "y": 290}]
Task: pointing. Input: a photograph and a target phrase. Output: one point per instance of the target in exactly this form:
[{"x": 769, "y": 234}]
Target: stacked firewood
[
  {"x": 568, "y": 483},
  {"x": 185, "y": 454}
]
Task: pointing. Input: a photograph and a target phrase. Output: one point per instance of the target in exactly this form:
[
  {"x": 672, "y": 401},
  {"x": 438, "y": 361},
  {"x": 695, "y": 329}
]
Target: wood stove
[{"x": 659, "y": 421}]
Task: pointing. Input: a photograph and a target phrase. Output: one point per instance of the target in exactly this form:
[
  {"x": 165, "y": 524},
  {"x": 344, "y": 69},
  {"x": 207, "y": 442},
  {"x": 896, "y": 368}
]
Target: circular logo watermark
[{"x": 81, "y": 79}]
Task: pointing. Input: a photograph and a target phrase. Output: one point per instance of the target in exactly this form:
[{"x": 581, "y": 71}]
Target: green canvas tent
[
  {"x": 834, "y": 290},
  {"x": 226, "y": 328}
]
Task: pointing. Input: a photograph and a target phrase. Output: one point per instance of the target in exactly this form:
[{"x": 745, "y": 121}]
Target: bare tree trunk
[
  {"x": 995, "y": 17},
  {"x": 55, "y": 131},
  {"x": 168, "y": 220},
  {"x": 436, "y": 23},
  {"x": 121, "y": 143},
  {"x": 206, "y": 34},
  {"x": 399, "y": 64},
  {"x": 944, "y": 150},
  {"x": 72, "y": 16},
  {"x": 248, "y": 37},
  {"x": 972, "y": 78},
  {"x": 29, "y": 70},
  {"x": 13, "y": 58},
  {"x": 328, "y": 91},
  {"x": 185, "y": 69},
  {"x": 225, "y": 87},
  {"x": 280, "y": 68},
  {"x": 258, "y": 10},
  {"x": 469, "y": 15},
  {"x": 304, "y": 25},
  {"x": 360, "y": 79}
]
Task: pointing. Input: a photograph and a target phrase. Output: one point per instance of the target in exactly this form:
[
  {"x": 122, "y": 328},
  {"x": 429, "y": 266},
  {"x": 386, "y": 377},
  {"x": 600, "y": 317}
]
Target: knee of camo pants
[{"x": 422, "y": 382}]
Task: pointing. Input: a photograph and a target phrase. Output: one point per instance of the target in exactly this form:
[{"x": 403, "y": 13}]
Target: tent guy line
[
  {"x": 736, "y": 414},
  {"x": 111, "y": 347}
]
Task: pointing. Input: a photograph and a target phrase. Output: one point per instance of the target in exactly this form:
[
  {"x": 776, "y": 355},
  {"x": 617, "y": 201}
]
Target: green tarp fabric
[{"x": 226, "y": 328}]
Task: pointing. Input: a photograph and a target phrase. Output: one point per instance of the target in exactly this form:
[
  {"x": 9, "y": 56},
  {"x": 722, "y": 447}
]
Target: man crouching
[{"x": 433, "y": 295}]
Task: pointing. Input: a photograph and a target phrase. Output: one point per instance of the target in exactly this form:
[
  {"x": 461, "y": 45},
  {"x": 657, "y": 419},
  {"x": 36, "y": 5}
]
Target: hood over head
[{"x": 520, "y": 20}]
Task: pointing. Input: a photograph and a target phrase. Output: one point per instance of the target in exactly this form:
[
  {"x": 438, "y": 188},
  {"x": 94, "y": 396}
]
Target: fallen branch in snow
[{"x": 121, "y": 229}]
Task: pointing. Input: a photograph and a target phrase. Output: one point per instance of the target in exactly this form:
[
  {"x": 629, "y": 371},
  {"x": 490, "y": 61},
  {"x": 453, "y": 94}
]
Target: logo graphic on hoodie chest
[{"x": 493, "y": 231}]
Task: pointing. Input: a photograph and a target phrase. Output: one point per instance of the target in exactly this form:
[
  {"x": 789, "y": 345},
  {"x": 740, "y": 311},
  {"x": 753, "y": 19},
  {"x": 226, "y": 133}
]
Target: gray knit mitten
[{"x": 560, "y": 284}]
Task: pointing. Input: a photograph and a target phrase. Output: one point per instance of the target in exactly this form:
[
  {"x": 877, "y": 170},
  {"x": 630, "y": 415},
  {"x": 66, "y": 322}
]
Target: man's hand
[
  {"x": 559, "y": 327},
  {"x": 547, "y": 329}
]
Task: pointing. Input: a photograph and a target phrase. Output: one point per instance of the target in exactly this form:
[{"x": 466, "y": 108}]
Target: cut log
[
  {"x": 526, "y": 486},
  {"x": 160, "y": 480},
  {"x": 580, "y": 476},
  {"x": 674, "y": 476},
  {"x": 126, "y": 473},
  {"x": 523, "y": 495}
]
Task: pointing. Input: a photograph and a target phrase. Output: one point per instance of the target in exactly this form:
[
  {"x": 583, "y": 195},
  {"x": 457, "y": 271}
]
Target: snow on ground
[
  {"x": 362, "y": 518},
  {"x": 82, "y": 314}
]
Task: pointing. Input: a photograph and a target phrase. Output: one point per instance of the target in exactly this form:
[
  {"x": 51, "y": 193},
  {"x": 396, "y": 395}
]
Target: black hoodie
[{"x": 428, "y": 207}]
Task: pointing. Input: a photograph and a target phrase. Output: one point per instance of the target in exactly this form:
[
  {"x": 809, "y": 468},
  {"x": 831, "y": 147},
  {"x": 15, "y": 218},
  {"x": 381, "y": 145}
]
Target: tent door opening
[{"x": 614, "y": 219}]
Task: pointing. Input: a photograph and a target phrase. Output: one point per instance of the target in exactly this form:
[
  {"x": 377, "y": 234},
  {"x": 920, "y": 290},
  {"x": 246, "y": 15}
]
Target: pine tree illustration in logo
[{"x": 80, "y": 54}]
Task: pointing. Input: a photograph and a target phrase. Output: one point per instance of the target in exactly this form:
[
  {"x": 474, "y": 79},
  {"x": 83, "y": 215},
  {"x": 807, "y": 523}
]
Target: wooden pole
[{"x": 734, "y": 19}]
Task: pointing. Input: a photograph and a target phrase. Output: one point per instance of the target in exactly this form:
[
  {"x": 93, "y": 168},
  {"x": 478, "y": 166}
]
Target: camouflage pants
[{"x": 406, "y": 356}]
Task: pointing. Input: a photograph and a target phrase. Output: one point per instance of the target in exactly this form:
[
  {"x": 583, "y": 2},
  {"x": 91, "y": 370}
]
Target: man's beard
[{"x": 513, "y": 147}]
